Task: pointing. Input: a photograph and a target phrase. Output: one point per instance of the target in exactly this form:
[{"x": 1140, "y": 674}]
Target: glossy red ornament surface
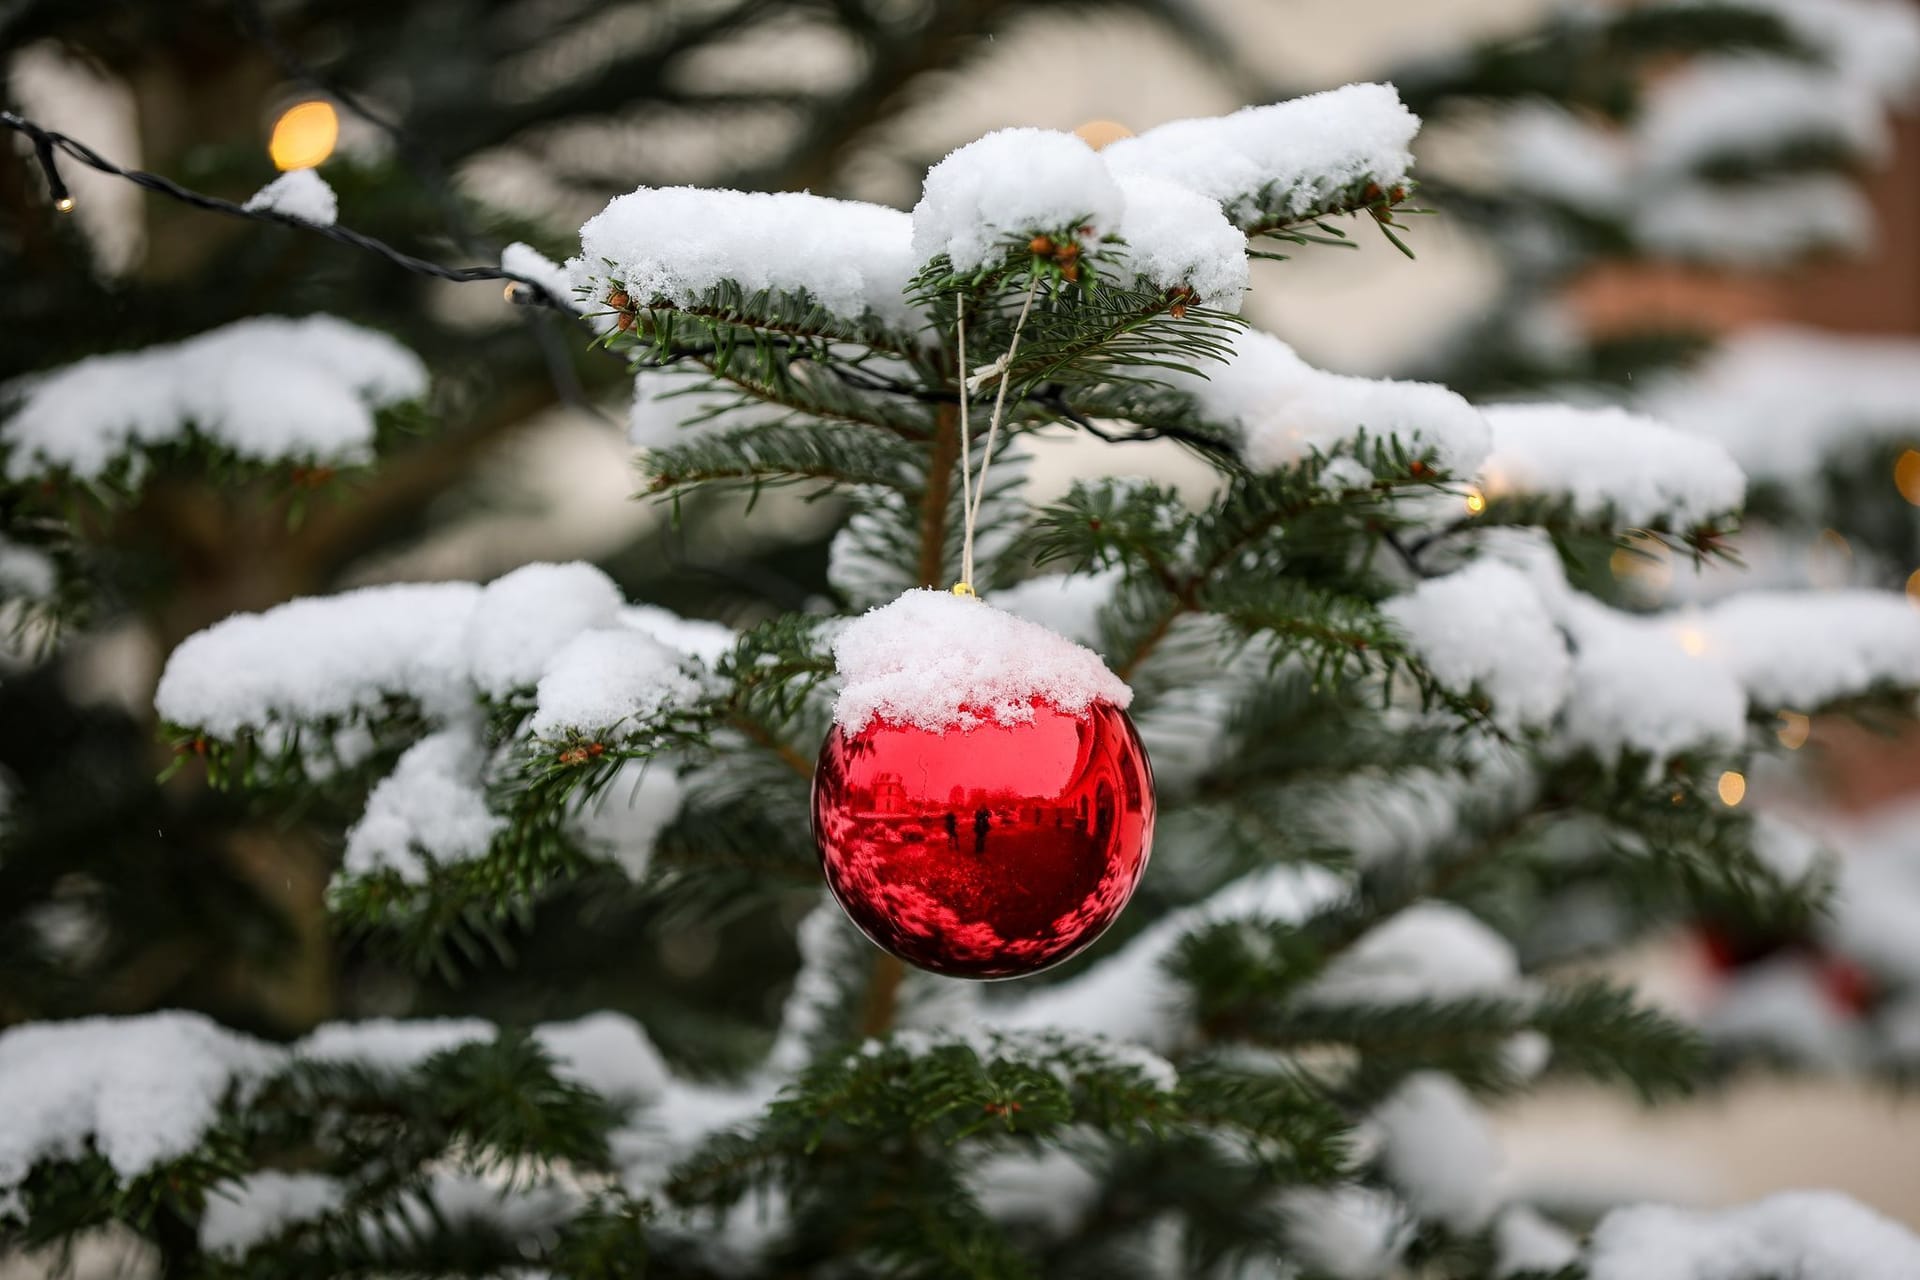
[{"x": 989, "y": 852}]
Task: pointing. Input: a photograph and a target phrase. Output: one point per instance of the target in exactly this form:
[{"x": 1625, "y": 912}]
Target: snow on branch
[
  {"x": 608, "y": 1053},
  {"x": 462, "y": 1202},
  {"x": 1485, "y": 626},
  {"x": 26, "y": 573},
  {"x": 1611, "y": 464},
  {"x": 1549, "y": 152},
  {"x": 141, "y": 1091},
  {"x": 1348, "y": 1232},
  {"x": 245, "y": 1211},
  {"x": 434, "y": 803},
  {"x": 1290, "y": 161},
  {"x": 144, "y": 1091},
  {"x": 1524, "y": 1240},
  {"x": 823, "y": 1012},
  {"x": 623, "y": 823},
  {"x": 522, "y": 619},
  {"x": 704, "y": 642},
  {"x": 1430, "y": 951},
  {"x": 1818, "y": 1235},
  {"x": 1130, "y": 996},
  {"x": 1665, "y": 683},
  {"x": 1737, "y": 160},
  {"x": 1807, "y": 648},
  {"x": 1784, "y": 401},
  {"x": 1766, "y": 219},
  {"x": 250, "y": 1211},
  {"x": 1766, "y": 223},
  {"x": 1638, "y": 682},
  {"x": 610, "y": 683},
  {"x": 1283, "y": 408},
  {"x": 332, "y": 657},
  {"x": 1717, "y": 111},
  {"x": 1025, "y": 195},
  {"x": 444, "y": 646},
  {"x": 1178, "y": 239},
  {"x": 571, "y": 675},
  {"x": 1553, "y": 156},
  {"x": 389, "y": 1045},
  {"x": 1439, "y": 1152},
  {"x": 267, "y": 390},
  {"x": 1875, "y": 43},
  {"x": 999, "y": 191},
  {"x": 674, "y": 245},
  {"x": 1150, "y": 206},
  {"x": 1643, "y": 684}
]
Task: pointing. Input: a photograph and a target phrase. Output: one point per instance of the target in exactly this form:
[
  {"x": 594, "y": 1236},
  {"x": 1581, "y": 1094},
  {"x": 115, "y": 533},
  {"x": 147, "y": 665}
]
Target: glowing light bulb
[
  {"x": 1476, "y": 501},
  {"x": 1794, "y": 730},
  {"x": 1732, "y": 788},
  {"x": 304, "y": 135},
  {"x": 1102, "y": 133},
  {"x": 64, "y": 204},
  {"x": 1906, "y": 476}
]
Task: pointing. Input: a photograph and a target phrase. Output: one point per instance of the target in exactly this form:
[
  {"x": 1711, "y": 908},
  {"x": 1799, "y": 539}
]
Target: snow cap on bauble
[{"x": 939, "y": 661}]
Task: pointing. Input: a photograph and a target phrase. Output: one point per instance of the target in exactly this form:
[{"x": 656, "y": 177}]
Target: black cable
[
  {"x": 431, "y": 175},
  {"x": 46, "y": 141}
]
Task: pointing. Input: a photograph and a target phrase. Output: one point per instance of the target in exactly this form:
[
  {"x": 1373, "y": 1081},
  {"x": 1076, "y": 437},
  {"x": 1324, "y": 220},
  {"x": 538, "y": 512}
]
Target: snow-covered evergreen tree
[
  {"x": 1710, "y": 138},
  {"x": 1413, "y": 753}
]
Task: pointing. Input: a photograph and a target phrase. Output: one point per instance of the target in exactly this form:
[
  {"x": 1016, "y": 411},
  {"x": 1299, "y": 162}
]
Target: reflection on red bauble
[{"x": 988, "y": 852}]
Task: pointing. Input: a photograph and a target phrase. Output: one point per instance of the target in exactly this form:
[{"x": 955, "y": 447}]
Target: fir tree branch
[
  {"x": 783, "y": 393},
  {"x": 761, "y": 736},
  {"x": 837, "y": 454},
  {"x": 719, "y": 314}
]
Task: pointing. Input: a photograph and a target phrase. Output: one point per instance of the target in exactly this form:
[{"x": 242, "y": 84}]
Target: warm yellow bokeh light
[
  {"x": 1906, "y": 476},
  {"x": 1913, "y": 586},
  {"x": 1733, "y": 788},
  {"x": 1693, "y": 640},
  {"x": 1794, "y": 730},
  {"x": 304, "y": 135},
  {"x": 1102, "y": 133},
  {"x": 1476, "y": 502}
]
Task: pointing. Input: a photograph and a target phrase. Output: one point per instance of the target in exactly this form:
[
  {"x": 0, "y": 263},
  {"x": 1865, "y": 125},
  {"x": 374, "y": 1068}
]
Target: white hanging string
[
  {"x": 973, "y": 492},
  {"x": 966, "y": 453}
]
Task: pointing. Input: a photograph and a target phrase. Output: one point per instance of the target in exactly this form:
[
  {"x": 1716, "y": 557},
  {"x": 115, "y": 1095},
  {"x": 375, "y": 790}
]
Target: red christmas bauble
[{"x": 987, "y": 852}]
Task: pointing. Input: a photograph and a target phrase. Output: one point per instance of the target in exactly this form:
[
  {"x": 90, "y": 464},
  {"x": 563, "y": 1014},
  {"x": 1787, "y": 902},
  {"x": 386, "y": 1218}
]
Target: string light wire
[{"x": 46, "y": 142}]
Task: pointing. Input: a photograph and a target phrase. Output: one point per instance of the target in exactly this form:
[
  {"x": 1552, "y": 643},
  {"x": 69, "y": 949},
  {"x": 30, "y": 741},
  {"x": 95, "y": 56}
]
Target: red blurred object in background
[{"x": 989, "y": 852}]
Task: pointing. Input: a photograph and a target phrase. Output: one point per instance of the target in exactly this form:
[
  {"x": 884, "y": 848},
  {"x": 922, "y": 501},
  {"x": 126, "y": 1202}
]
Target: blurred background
[{"x": 1709, "y": 210}]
